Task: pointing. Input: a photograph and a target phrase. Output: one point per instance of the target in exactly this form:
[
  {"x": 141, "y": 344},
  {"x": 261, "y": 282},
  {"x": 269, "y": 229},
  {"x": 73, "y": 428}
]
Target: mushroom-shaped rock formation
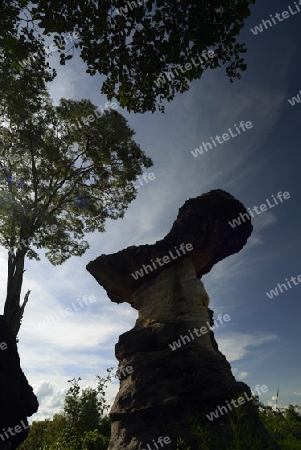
[
  {"x": 17, "y": 400},
  {"x": 170, "y": 367},
  {"x": 202, "y": 222}
]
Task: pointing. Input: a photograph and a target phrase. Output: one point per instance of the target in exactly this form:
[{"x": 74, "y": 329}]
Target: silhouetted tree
[
  {"x": 64, "y": 170},
  {"x": 133, "y": 43}
]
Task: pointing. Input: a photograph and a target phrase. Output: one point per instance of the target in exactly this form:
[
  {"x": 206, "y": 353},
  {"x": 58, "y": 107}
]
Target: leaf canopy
[
  {"x": 134, "y": 43},
  {"x": 65, "y": 165}
]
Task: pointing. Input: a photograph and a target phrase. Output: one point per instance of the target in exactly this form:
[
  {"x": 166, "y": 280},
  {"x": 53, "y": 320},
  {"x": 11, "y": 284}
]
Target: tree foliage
[
  {"x": 59, "y": 163},
  {"x": 20, "y": 88},
  {"x": 66, "y": 166},
  {"x": 82, "y": 425},
  {"x": 133, "y": 43},
  {"x": 283, "y": 427}
]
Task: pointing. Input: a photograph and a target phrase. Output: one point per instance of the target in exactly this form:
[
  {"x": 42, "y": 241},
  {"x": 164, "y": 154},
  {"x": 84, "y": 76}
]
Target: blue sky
[{"x": 261, "y": 341}]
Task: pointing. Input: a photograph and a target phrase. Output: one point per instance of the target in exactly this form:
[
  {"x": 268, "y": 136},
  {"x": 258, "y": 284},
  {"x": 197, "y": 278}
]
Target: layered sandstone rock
[
  {"x": 168, "y": 385},
  {"x": 17, "y": 400},
  {"x": 202, "y": 222}
]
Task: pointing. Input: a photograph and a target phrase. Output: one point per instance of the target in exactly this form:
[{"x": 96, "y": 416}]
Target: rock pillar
[{"x": 177, "y": 371}]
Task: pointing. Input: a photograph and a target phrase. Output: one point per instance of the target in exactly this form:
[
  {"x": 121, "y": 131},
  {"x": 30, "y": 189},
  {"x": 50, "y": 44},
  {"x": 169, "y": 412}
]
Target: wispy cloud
[
  {"x": 236, "y": 345},
  {"x": 83, "y": 343},
  {"x": 263, "y": 220},
  {"x": 239, "y": 375}
]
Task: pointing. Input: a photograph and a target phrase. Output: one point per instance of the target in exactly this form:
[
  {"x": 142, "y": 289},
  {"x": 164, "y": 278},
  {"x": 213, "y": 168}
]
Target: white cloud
[
  {"x": 52, "y": 400},
  {"x": 243, "y": 375},
  {"x": 240, "y": 376},
  {"x": 259, "y": 222},
  {"x": 43, "y": 389},
  {"x": 263, "y": 220},
  {"x": 83, "y": 343},
  {"x": 49, "y": 404},
  {"x": 235, "y": 346}
]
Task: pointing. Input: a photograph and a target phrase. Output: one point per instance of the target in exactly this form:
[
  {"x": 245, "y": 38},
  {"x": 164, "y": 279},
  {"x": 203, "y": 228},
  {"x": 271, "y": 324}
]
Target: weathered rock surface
[
  {"x": 170, "y": 383},
  {"x": 17, "y": 400},
  {"x": 202, "y": 221}
]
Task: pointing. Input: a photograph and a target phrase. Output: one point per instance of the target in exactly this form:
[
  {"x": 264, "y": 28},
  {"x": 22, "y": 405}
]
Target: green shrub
[{"x": 284, "y": 428}]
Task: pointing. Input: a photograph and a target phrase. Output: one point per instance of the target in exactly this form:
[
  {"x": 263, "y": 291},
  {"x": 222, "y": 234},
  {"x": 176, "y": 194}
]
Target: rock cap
[{"x": 202, "y": 222}]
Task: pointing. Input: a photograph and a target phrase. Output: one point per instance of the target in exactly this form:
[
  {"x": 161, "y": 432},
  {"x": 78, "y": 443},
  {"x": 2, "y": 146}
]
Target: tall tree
[
  {"x": 64, "y": 170},
  {"x": 143, "y": 47}
]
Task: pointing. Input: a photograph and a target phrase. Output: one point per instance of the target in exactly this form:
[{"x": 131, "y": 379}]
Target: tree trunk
[{"x": 13, "y": 311}]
